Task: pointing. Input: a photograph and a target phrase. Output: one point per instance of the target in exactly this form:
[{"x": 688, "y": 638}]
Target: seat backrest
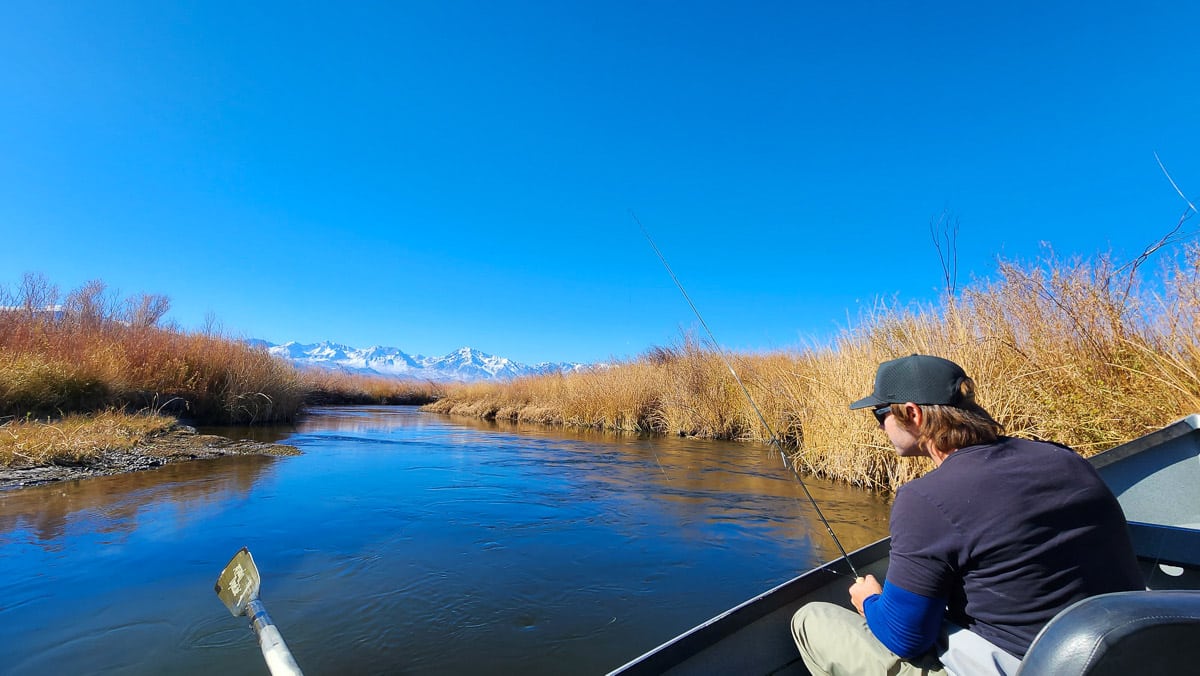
[{"x": 1142, "y": 632}]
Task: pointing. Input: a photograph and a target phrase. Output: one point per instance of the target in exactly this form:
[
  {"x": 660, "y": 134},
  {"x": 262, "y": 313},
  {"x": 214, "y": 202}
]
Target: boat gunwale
[
  {"x": 679, "y": 648},
  {"x": 1179, "y": 428}
]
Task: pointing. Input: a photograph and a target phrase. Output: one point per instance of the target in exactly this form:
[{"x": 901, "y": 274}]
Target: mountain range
[{"x": 463, "y": 365}]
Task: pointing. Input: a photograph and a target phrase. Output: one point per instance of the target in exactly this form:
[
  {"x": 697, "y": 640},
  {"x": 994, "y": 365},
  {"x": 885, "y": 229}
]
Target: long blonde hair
[{"x": 949, "y": 428}]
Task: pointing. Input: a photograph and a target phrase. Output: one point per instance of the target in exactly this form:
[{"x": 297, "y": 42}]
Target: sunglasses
[{"x": 882, "y": 412}]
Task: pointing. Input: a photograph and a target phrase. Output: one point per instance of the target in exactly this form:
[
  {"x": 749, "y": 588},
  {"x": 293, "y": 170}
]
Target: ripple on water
[
  {"x": 107, "y": 649},
  {"x": 218, "y": 631}
]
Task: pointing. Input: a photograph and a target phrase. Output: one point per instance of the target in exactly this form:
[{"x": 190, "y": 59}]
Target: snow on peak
[{"x": 463, "y": 365}]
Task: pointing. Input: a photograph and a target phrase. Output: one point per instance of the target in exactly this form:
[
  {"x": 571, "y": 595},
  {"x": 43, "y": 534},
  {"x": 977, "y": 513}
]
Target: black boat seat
[{"x": 1144, "y": 632}]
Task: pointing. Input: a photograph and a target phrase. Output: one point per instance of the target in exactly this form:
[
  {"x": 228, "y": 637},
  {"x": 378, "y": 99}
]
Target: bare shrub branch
[
  {"x": 944, "y": 231},
  {"x": 145, "y": 309},
  {"x": 36, "y": 294}
]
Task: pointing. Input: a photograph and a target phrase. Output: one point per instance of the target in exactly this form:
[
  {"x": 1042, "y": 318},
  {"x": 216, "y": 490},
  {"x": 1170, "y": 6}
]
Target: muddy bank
[{"x": 179, "y": 445}]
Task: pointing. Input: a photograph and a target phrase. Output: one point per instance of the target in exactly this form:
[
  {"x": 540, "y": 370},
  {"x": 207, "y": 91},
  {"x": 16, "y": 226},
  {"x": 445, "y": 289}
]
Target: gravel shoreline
[{"x": 179, "y": 445}]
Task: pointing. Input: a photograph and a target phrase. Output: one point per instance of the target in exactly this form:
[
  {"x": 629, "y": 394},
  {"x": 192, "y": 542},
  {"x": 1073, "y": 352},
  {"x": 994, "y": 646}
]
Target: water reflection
[
  {"x": 113, "y": 505},
  {"x": 711, "y": 482}
]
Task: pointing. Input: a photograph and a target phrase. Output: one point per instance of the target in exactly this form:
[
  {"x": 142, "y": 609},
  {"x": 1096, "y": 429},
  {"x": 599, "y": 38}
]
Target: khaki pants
[{"x": 835, "y": 641}]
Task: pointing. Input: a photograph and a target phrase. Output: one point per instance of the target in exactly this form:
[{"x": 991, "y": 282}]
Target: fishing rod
[{"x": 770, "y": 433}]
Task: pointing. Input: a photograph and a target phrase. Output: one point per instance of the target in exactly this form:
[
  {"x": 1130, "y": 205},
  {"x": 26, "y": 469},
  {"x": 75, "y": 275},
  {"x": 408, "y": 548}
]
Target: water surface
[{"x": 404, "y": 542}]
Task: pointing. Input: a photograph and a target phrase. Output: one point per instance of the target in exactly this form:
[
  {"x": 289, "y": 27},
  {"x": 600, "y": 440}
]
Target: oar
[{"x": 237, "y": 587}]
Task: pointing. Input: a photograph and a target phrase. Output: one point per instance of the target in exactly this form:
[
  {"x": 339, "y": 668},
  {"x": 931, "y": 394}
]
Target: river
[{"x": 405, "y": 542}]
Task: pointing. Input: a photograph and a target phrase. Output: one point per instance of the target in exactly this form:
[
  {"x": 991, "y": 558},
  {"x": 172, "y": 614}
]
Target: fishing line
[
  {"x": 657, "y": 462},
  {"x": 770, "y": 433}
]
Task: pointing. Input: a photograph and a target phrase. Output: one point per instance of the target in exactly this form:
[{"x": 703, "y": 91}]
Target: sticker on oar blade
[{"x": 238, "y": 584}]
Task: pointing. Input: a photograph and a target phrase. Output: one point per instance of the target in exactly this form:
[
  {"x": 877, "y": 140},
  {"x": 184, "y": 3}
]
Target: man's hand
[{"x": 862, "y": 588}]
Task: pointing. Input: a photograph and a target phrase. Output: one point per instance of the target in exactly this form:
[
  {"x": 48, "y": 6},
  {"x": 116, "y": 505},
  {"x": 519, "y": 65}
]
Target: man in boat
[{"x": 986, "y": 548}]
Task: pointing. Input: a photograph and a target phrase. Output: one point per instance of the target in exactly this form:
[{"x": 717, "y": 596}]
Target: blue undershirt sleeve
[{"x": 907, "y": 623}]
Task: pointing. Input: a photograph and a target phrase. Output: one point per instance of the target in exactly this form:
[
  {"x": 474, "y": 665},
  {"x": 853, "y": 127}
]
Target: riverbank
[
  {"x": 87, "y": 351},
  {"x": 1079, "y": 352},
  {"x": 27, "y": 459}
]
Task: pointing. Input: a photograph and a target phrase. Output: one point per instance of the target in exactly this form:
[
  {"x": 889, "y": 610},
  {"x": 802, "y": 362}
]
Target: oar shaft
[{"x": 275, "y": 651}]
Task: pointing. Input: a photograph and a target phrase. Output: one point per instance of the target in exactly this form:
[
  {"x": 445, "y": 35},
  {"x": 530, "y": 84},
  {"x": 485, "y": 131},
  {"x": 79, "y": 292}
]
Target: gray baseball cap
[{"x": 919, "y": 378}]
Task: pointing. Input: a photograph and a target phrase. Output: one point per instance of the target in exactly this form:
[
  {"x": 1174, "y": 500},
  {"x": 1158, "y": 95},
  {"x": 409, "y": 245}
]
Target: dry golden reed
[
  {"x": 52, "y": 367},
  {"x": 92, "y": 352},
  {"x": 1075, "y": 351},
  {"x": 333, "y": 387},
  {"x": 76, "y": 439}
]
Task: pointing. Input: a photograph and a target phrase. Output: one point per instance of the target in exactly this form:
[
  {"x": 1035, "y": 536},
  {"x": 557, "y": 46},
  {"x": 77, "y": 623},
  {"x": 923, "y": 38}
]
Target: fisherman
[{"x": 986, "y": 548}]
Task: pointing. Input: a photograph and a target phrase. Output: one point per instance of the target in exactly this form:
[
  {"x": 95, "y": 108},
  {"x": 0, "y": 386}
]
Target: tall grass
[
  {"x": 76, "y": 439},
  {"x": 90, "y": 351},
  {"x": 58, "y": 363},
  {"x": 334, "y": 387},
  {"x": 1077, "y": 351}
]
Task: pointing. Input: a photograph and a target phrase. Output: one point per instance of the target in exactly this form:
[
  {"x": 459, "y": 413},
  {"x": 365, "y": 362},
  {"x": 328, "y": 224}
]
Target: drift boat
[{"x": 1156, "y": 478}]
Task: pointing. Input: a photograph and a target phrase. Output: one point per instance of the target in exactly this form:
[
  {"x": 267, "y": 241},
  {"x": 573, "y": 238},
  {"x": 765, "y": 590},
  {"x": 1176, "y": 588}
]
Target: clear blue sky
[{"x": 428, "y": 175}]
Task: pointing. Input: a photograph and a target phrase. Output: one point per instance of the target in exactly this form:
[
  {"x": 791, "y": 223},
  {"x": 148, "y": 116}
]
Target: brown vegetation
[
  {"x": 92, "y": 351},
  {"x": 334, "y": 387},
  {"x": 78, "y": 446},
  {"x": 1076, "y": 351},
  {"x": 76, "y": 438}
]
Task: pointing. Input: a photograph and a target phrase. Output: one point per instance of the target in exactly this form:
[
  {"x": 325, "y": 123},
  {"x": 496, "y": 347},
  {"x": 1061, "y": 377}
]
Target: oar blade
[{"x": 238, "y": 584}]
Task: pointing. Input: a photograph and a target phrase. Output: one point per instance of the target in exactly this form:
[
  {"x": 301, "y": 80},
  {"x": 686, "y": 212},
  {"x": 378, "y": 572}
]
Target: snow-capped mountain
[{"x": 463, "y": 365}]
